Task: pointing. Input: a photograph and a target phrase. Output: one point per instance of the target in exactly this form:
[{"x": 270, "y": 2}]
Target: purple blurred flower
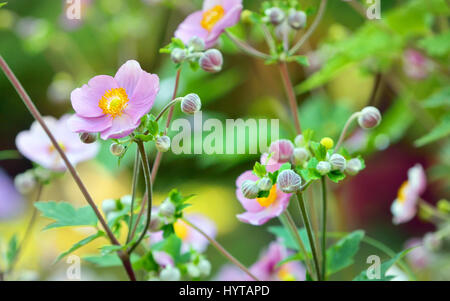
[
  {"x": 189, "y": 236},
  {"x": 261, "y": 210},
  {"x": 114, "y": 106},
  {"x": 11, "y": 201},
  {"x": 37, "y": 147},
  {"x": 266, "y": 268},
  {"x": 416, "y": 65},
  {"x": 163, "y": 259},
  {"x": 404, "y": 207},
  {"x": 209, "y": 23},
  {"x": 419, "y": 257}
]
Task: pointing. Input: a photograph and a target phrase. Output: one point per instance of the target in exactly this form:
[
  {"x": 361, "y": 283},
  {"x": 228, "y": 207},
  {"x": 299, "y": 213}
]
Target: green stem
[
  {"x": 324, "y": 228},
  {"x": 307, "y": 224},
  {"x": 133, "y": 193}
]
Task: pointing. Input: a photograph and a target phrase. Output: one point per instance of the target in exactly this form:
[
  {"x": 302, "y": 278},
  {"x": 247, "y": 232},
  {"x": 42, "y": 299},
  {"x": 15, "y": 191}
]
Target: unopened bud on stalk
[
  {"x": 43, "y": 175},
  {"x": 323, "y": 167},
  {"x": 178, "y": 55},
  {"x": 162, "y": 144},
  {"x": 192, "y": 270},
  {"x": 117, "y": 149},
  {"x": 353, "y": 166},
  {"x": 156, "y": 223},
  {"x": 249, "y": 189},
  {"x": 265, "y": 184},
  {"x": 205, "y": 267},
  {"x": 443, "y": 206},
  {"x": 108, "y": 206},
  {"x": 299, "y": 141},
  {"x": 25, "y": 182},
  {"x": 191, "y": 104},
  {"x": 246, "y": 16},
  {"x": 170, "y": 273},
  {"x": 211, "y": 61},
  {"x": 301, "y": 154},
  {"x": 288, "y": 181},
  {"x": 276, "y": 15},
  {"x": 338, "y": 162},
  {"x": 370, "y": 117},
  {"x": 297, "y": 19},
  {"x": 196, "y": 44},
  {"x": 282, "y": 150},
  {"x": 167, "y": 208},
  {"x": 88, "y": 138}
]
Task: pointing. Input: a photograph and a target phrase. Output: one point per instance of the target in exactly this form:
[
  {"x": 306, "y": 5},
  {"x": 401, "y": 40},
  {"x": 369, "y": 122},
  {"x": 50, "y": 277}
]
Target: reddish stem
[{"x": 291, "y": 95}]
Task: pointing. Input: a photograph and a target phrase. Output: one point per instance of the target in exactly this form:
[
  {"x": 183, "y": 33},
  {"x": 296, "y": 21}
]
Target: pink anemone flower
[
  {"x": 209, "y": 23},
  {"x": 261, "y": 210},
  {"x": 114, "y": 106},
  {"x": 404, "y": 207},
  {"x": 37, "y": 147}
]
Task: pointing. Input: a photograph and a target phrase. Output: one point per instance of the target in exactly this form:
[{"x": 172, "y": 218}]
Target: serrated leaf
[
  {"x": 336, "y": 176},
  {"x": 341, "y": 254},
  {"x": 80, "y": 244},
  {"x": 65, "y": 215},
  {"x": 259, "y": 170}
]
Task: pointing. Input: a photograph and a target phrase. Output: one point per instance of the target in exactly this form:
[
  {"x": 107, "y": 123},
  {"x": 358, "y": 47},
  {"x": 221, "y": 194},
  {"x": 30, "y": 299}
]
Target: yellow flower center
[
  {"x": 401, "y": 196},
  {"x": 327, "y": 142},
  {"x": 114, "y": 102},
  {"x": 181, "y": 230},
  {"x": 51, "y": 148},
  {"x": 284, "y": 274},
  {"x": 212, "y": 16},
  {"x": 266, "y": 202}
]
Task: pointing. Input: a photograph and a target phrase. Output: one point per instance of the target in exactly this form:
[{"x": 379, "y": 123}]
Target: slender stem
[
  {"x": 307, "y": 224},
  {"x": 324, "y": 228},
  {"x": 311, "y": 30},
  {"x": 222, "y": 250},
  {"x": 247, "y": 48},
  {"x": 159, "y": 155},
  {"x": 294, "y": 231},
  {"x": 166, "y": 107},
  {"x": 376, "y": 86},
  {"x": 37, "y": 115},
  {"x": 27, "y": 231},
  {"x": 291, "y": 95},
  {"x": 269, "y": 38},
  {"x": 133, "y": 193},
  {"x": 149, "y": 188},
  {"x": 344, "y": 131}
]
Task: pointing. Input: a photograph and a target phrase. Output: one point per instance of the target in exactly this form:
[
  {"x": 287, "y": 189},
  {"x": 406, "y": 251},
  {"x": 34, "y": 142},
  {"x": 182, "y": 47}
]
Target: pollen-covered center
[
  {"x": 114, "y": 102},
  {"x": 402, "y": 192},
  {"x": 212, "y": 16},
  {"x": 266, "y": 202},
  {"x": 181, "y": 230}
]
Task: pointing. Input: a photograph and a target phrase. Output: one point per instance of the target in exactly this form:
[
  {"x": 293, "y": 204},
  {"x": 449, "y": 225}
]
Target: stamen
[
  {"x": 114, "y": 102},
  {"x": 212, "y": 16}
]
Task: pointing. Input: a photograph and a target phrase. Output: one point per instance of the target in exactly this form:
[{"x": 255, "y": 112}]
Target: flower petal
[
  {"x": 121, "y": 127},
  {"x": 191, "y": 27},
  {"x": 143, "y": 97},
  {"x": 128, "y": 76},
  {"x": 80, "y": 124}
]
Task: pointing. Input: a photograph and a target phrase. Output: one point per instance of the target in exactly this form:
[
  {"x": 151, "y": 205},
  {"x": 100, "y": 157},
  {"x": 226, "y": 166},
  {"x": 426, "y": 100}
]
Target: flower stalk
[
  {"x": 291, "y": 95},
  {"x": 324, "y": 228}
]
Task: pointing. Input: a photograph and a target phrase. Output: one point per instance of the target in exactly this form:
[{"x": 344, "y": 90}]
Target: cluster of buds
[
  {"x": 292, "y": 18},
  {"x": 111, "y": 208},
  {"x": 210, "y": 60},
  {"x": 27, "y": 181},
  {"x": 199, "y": 267},
  {"x": 301, "y": 154}
]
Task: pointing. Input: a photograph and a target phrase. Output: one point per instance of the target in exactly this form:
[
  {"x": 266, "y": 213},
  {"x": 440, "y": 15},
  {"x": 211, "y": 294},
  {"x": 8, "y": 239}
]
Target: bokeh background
[{"x": 52, "y": 55}]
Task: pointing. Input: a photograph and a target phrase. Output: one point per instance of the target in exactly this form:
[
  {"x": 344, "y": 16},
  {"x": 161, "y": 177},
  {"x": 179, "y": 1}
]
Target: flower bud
[
  {"x": 249, "y": 189},
  {"x": 117, "y": 149},
  {"x": 265, "y": 184},
  {"x": 191, "y": 104},
  {"x": 108, "y": 206},
  {"x": 297, "y": 19},
  {"x": 88, "y": 138},
  {"x": 288, "y": 181},
  {"x": 246, "y": 16},
  {"x": 301, "y": 154},
  {"x": 170, "y": 273},
  {"x": 211, "y": 61},
  {"x": 282, "y": 150},
  {"x": 196, "y": 44},
  {"x": 353, "y": 166},
  {"x": 178, "y": 55},
  {"x": 369, "y": 118},
  {"x": 43, "y": 175},
  {"x": 327, "y": 142},
  {"x": 338, "y": 162},
  {"x": 192, "y": 270},
  {"x": 25, "y": 182},
  {"x": 432, "y": 242},
  {"x": 205, "y": 267},
  {"x": 323, "y": 167},
  {"x": 155, "y": 223},
  {"x": 162, "y": 144},
  {"x": 276, "y": 15},
  {"x": 167, "y": 208},
  {"x": 299, "y": 141},
  {"x": 443, "y": 206},
  {"x": 126, "y": 200}
]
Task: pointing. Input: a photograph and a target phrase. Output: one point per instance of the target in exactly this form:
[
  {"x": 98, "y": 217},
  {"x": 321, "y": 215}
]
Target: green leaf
[
  {"x": 3, "y": 4},
  {"x": 438, "y": 45},
  {"x": 287, "y": 239},
  {"x": 336, "y": 176},
  {"x": 65, "y": 215},
  {"x": 13, "y": 247},
  {"x": 80, "y": 244},
  {"x": 147, "y": 263},
  {"x": 171, "y": 245},
  {"x": 109, "y": 260},
  {"x": 340, "y": 255},
  {"x": 383, "y": 268},
  {"x": 320, "y": 151},
  {"x": 438, "y": 99},
  {"x": 153, "y": 127},
  {"x": 285, "y": 166},
  {"x": 300, "y": 59},
  {"x": 9, "y": 154},
  {"x": 439, "y": 132},
  {"x": 259, "y": 170}
]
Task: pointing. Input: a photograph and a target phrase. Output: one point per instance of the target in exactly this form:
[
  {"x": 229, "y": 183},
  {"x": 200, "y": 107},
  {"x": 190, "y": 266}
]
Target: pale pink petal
[
  {"x": 122, "y": 126},
  {"x": 230, "y": 19},
  {"x": 80, "y": 124},
  {"x": 143, "y": 97},
  {"x": 191, "y": 27},
  {"x": 128, "y": 76}
]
